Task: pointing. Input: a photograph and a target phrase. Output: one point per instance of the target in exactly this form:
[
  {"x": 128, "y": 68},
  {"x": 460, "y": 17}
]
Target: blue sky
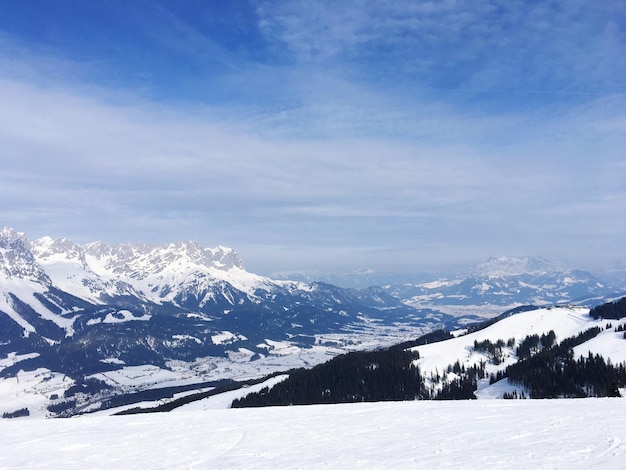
[{"x": 319, "y": 136}]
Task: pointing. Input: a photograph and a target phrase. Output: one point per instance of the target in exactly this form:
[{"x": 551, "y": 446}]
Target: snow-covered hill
[
  {"x": 553, "y": 352},
  {"x": 436, "y": 359}
]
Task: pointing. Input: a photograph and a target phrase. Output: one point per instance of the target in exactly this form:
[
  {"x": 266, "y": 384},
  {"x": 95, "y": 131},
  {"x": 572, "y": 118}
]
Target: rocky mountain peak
[
  {"x": 225, "y": 258},
  {"x": 9, "y": 235},
  {"x": 156, "y": 258},
  {"x": 16, "y": 259},
  {"x": 47, "y": 247}
]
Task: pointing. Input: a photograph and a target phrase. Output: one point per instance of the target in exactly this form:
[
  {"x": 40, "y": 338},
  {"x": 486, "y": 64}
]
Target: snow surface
[
  {"x": 565, "y": 321},
  {"x": 609, "y": 344},
  {"x": 222, "y": 401},
  {"x": 512, "y": 434},
  {"x": 32, "y": 390},
  {"x": 440, "y": 283},
  {"x": 139, "y": 377},
  {"x": 226, "y": 337}
]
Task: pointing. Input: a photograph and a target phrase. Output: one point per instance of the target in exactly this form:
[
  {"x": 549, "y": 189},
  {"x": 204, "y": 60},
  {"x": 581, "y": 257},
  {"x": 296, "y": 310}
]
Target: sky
[{"x": 319, "y": 136}]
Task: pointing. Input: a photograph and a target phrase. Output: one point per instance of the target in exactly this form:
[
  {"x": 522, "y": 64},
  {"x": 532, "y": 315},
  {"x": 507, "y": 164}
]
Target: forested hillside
[
  {"x": 610, "y": 310},
  {"x": 537, "y": 364}
]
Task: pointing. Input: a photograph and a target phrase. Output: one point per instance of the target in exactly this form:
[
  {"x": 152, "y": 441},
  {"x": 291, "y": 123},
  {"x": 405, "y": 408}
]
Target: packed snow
[
  {"x": 514, "y": 434},
  {"x": 222, "y": 401},
  {"x": 609, "y": 343}
]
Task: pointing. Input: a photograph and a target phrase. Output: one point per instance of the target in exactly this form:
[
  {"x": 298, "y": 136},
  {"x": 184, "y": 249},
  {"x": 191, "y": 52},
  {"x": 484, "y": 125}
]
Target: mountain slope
[
  {"x": 82, "y": 324},
  {"x": 100, "y": 319}
]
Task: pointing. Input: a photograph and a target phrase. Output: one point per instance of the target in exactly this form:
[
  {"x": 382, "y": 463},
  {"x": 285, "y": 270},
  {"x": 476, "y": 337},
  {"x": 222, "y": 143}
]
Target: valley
[{"x": 84, "y": 325}]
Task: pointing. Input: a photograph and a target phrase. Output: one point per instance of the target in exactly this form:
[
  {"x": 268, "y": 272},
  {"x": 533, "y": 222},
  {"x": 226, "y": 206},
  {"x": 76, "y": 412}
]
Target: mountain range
[
  {"x": 96, "y": 320},
  {"x": 500, "y": 282},
  {"x": 179, "y": 312},
  {"x": 508, "y": 282}
]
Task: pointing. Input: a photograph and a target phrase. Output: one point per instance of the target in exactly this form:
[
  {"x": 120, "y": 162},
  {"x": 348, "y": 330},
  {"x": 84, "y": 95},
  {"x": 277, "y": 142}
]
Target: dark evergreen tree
[
  {"x": 554, "y": 373},
  {"x": 360, "y": 376},
  {"x": 610, "y": 310},
  {"x": 22, "y": 412}
]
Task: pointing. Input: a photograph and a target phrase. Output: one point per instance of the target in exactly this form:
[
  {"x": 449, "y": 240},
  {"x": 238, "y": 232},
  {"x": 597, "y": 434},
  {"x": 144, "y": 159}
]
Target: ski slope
[{"x": 547, "y": 434}]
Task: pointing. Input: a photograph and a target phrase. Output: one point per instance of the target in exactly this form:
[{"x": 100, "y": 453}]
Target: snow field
[
  {"x": 32, "y": 390},
  {"x": 512, "y": 434}
]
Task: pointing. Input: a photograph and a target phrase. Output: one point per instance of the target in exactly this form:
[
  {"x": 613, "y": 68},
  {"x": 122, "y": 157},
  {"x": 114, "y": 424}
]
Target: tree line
[
  {"x": 553, "y": 372},
  {"x": 610, "y": 310},
  {"x": 381, "y": 375}
]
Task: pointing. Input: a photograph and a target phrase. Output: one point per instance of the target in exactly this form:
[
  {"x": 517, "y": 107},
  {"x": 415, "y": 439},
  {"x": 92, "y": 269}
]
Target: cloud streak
[{"x": 533, "y": 46}]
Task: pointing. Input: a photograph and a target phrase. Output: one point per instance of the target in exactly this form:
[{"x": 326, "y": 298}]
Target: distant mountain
[
  {"x": 359, "y": 279},
  {"x": 615, "y": 277},
  {"x": 506, "y": 282},
  {"x": 502, "y": 282}
]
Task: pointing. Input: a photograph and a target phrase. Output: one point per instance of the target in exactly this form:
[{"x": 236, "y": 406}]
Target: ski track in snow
[{"x": 546, "y": 434}]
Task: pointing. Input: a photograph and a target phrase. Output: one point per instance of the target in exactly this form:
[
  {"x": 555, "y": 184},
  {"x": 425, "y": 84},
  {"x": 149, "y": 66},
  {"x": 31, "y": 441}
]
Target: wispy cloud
[{"x": 542, "y": 46}]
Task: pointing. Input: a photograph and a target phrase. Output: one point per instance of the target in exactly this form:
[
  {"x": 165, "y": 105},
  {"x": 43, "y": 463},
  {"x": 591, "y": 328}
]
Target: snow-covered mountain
[
  {"x": 148, "y": 315},
  {"x": 60, "y": 277},
  {"x": 504, "y": 266},
  {"x": 507, "y": 282},
  {"x": 80, "y": 324},
  {"x": 502, "y": 282},
  {"x": 359, "y": 279},
  {"x": 151, "y": 273}
]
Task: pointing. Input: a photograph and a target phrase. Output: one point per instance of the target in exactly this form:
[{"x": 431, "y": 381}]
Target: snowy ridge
[
  {"x": 148, "y": 272},
  {"x": 564, "y": 321}
]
